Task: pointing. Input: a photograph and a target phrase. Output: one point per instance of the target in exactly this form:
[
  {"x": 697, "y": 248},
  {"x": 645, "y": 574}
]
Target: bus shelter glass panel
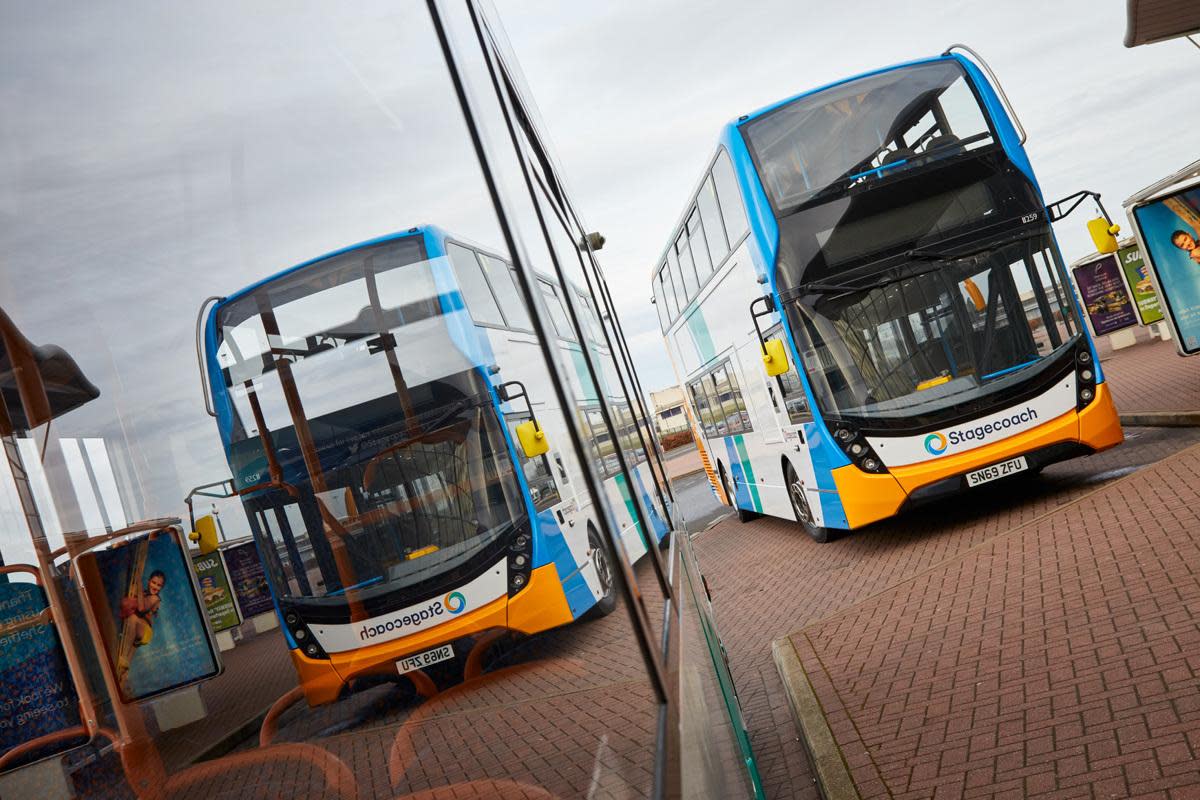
[{"x": 290, "y": 471}]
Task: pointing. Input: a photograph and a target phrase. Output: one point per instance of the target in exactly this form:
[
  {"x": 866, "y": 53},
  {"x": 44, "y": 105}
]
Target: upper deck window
[
  {"x": 856, "y": 133},
  {"x": 474, "y": 286}
]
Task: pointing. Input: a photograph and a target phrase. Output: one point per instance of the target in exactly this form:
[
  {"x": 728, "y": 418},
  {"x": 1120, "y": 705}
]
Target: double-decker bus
[
  {"x": 866, "y": 305},
  {"x": 392, "y": 433}
]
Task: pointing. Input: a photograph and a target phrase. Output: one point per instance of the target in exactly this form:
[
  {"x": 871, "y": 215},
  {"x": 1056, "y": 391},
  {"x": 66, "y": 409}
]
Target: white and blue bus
[
  {"x": 392, "y": 432},
  {"x": 866, "y": 306}
]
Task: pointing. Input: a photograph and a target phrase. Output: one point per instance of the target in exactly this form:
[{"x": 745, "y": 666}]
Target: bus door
[
  {"x": 562, "y": 523},
  {"x": 790, "y": 424}
]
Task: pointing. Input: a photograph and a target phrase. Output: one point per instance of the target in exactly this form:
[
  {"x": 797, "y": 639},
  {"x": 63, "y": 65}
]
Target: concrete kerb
[
  {"x": 1161, "y": 419},
  {"x": 829, "y": 765},
  {"x": 698, "y": 471}
]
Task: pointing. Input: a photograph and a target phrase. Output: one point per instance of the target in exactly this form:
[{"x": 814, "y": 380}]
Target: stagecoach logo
[
  {"x": 455, "y": 602},
  {"x": 938, "y": 443}
]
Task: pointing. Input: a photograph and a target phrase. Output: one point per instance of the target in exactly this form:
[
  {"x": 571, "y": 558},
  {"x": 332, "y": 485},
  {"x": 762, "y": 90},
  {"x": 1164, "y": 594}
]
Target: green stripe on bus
[
  {"x": 623, "y": 486},
  {"x": 587, "y": 388},
  {"x": 747, "y": 470},
  {"x": 700, "y": 336}
]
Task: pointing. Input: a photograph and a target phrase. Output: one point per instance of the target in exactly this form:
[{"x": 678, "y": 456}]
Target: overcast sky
[
  {"x": 154, "y": 154},
  {"x": 634, "y": 94}
]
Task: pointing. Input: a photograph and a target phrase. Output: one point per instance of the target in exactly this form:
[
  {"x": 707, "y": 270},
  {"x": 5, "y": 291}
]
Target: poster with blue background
[
  {"x": 1170, "y": 229},
  {"x": 157, "y": 640},
  {"x": 37, "y": 696}
]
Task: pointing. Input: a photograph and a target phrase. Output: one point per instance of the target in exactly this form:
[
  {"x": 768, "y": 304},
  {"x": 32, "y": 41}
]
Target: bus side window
[
  {"x": 542, "y": 487},
  {"x": 668, "y": 290},
  {"x": 730, "y": 198},
  {"x": 477, "y": 294},
  {"x": 558, "y": 313},
  {"x": 791, "y": 389},
  {"x": 699, "y": 245},
  {"x": 737, "y": 419},
  {"x": 502, "y": 279},
  {"x": 660, "y": 304},
  {"x": 714, "y": 229},
  {"x": 703, "y": 410}
]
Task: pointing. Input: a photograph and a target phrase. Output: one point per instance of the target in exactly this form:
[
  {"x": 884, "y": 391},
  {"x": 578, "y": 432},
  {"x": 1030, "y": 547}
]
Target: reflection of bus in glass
[
  {"x": 390, "y": 427},
  {"x": 929, "y": 340}
]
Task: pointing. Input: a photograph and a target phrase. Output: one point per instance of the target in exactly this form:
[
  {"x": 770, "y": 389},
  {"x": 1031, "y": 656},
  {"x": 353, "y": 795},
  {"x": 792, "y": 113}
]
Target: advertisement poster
[
  {"x": 37, "y": 696},
  {"x": 249, "y": 579},
  {"x": 218, "y": 597},
  {"x": 1137, "y": 275},
  {"x": 1170, "y": 229},
  {"x": 1104, "y": 296},
  {"x": 154, "y": 631}
]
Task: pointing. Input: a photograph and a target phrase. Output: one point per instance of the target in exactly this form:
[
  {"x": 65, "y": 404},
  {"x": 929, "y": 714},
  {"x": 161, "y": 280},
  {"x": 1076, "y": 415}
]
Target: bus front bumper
[
  {"x": 540, "y": 606},
  {"x": 869, "y": 498}
]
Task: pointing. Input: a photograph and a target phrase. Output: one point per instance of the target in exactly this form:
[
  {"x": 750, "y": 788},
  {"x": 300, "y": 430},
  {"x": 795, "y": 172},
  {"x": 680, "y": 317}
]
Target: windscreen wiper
[
  {"x": 931, "y": 254},
  {"x": 830, "y": 288}
]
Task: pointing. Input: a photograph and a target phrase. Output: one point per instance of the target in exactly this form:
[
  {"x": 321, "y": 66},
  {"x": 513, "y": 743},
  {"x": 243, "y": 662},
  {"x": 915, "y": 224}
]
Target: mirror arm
[
  {"x": 1055, "y": 213},
  {"x": 508, "y": 396},
  {"x": 768, "y": 308}
]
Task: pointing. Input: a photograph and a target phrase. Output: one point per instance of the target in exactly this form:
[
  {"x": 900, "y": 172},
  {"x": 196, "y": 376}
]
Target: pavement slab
[{"x": 1153, "y": 378}]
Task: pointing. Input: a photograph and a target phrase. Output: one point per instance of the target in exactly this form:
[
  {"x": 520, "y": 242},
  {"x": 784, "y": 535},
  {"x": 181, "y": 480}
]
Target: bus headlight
[
  {"x": 520, "y": 558},
  {"x": 1085, "y": 378},
  {"x": 858, "y": 449}
]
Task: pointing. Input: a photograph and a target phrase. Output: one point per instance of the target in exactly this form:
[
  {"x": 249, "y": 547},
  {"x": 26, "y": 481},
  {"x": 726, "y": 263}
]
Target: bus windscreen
[
  {"x": 943, "y": 334},
  {"x": 863, "y": 131},
  {"x": 365, "y": 442}
]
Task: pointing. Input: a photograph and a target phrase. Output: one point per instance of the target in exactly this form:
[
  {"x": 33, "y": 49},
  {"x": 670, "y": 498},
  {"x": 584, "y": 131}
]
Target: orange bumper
[
  {"x": 541, "y": 606},
  {"x": 868, "y": 498}
]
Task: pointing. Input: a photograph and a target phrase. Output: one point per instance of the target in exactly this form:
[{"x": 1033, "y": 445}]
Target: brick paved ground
[
  {"x": 1153, "y": 377},
  {"x": 257, "y": 671},
  {"x": 1061, "y": 659},
  {"x": 768, "y": 579}
]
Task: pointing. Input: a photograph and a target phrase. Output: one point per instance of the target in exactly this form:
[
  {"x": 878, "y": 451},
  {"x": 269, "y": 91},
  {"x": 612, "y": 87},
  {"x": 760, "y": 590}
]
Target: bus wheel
[
  {"x": 742, "y": 514},
  {"x": 603, "y": 564},
  {"x": 801, "y": 508}
]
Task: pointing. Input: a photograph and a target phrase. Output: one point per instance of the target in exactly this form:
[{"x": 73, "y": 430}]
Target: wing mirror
[
  {"x": 1104, "y": 234},
  {"x": 532, "y": 438},
  {"x": 205, "y": 535},
  {"x": 774, "y": 356}
]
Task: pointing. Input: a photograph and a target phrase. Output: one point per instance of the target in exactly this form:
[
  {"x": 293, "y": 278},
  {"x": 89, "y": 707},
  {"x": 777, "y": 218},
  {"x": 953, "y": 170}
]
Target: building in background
[{"x": 669, "y": 416}]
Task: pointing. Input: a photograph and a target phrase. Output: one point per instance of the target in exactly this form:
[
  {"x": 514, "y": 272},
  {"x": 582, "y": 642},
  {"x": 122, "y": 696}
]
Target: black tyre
[
  {"x": 664, "y": 544},
  {"x": 800, "y": 507},
  {"x": 742, "y": 514},
  {"x": 603, "y": 562}
]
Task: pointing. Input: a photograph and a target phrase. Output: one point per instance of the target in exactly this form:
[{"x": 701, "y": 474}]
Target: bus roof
[
  {"x": 420, "y": 230},
  {"x": 742, "y": 120},
  {"x": 730, "y": 129}
]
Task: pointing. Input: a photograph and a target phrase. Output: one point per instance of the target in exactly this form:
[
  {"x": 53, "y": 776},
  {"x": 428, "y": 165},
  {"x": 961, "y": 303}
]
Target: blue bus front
[{"x": 363, "y": 435}]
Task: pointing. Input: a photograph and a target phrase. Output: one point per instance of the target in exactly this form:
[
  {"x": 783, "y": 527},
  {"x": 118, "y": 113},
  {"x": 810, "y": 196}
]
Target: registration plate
[
  {"x": 422, "y": 660},
  {"x": 996, "y": 471}
]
